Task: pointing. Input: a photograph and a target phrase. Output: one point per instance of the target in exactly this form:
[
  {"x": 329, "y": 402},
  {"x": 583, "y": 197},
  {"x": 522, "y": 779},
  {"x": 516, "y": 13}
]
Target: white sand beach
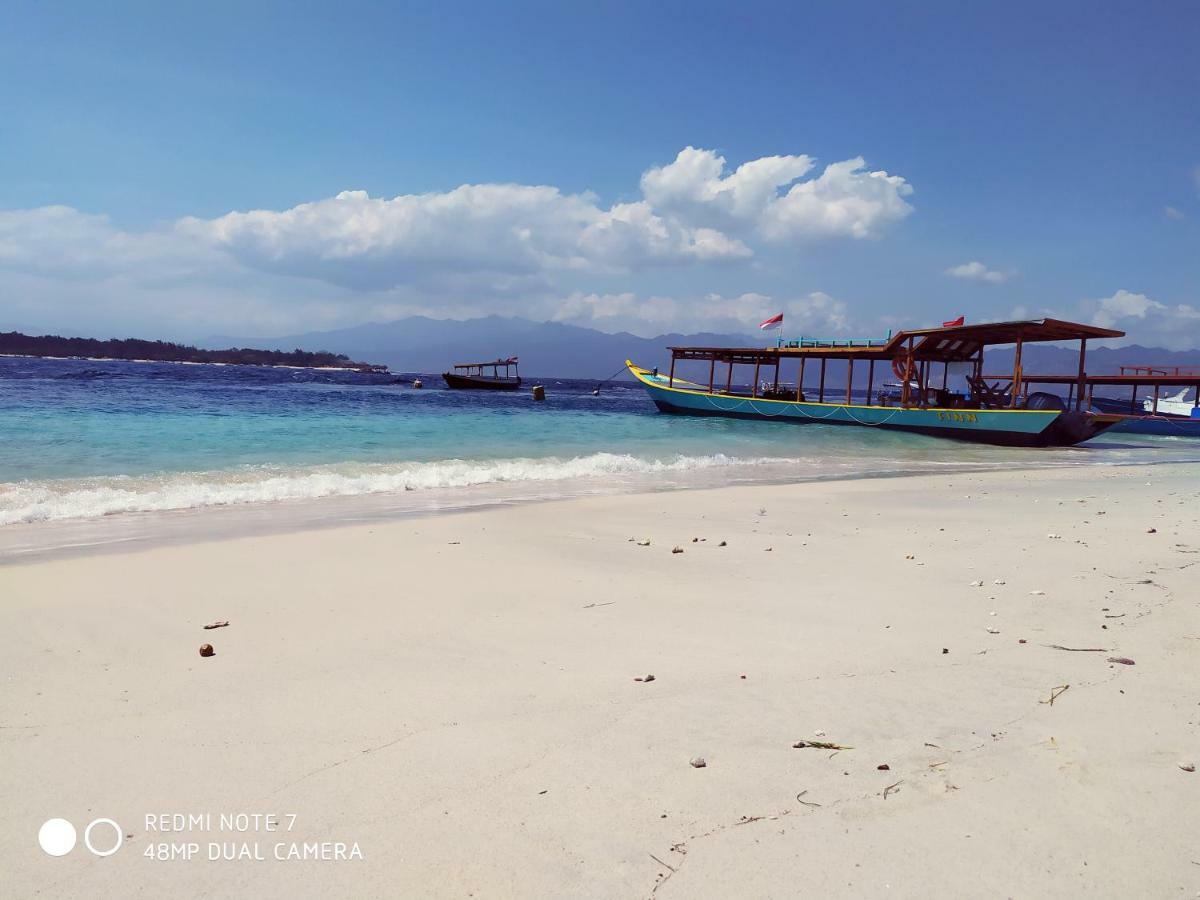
[{"x": 456, "y": 696}]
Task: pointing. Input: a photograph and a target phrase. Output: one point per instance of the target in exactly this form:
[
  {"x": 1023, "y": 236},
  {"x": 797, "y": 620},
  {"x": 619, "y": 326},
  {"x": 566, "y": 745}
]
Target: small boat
[
  {"x": 471, "y": 377},
  {"x": 1178, "y": 405},
  {"x": 924, "y": 400}
]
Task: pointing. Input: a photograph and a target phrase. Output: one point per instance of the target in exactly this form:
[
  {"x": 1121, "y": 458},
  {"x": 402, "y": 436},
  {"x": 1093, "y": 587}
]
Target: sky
[{"x": 189, "y": 169}]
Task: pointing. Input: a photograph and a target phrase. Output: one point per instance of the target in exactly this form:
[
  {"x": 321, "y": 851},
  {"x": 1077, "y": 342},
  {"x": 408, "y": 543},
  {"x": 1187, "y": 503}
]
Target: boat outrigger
[
  {"x": 470, "y": 377},
  {"x": 924, "y": 399}
]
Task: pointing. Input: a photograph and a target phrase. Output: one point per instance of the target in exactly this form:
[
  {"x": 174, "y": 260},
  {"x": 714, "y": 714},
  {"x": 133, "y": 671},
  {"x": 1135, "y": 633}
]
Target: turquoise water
[{"x": 91, "y": 438}]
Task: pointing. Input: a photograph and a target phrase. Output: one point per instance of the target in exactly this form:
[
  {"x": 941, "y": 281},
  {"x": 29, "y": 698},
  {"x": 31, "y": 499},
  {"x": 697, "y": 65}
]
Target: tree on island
[{"x": 13, "y": 343}]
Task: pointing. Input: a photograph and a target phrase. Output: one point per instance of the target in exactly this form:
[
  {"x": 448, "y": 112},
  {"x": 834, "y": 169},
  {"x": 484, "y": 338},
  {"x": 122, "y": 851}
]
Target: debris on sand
[
  {"x": 892, "y": 789},
  {"x": 1151, "y": 531},
  {"x": 1123, "y": 660},
  {"x": 1037, "y": 593},
  {"x": 1188, "y": 767},
  {"x": 819, "y": 745},
  {"x": 219, "y": 624},
  {"x": 676, "y": 549},
  {"x": 647, "y": 678},
  {"x": 698, "y": 762},
  {"x": 1055, "y": 693},
  {"x": 998, "y": 581},
  {"x": 884, "y": 767},
  {"x": 645, "y": 542},
  {"x": 207, "y": 650},
  {"x": 1078, "y": 649},
  {"x": 722, "y": 544},
  {"x": 976, "y": 584},
  {"x": 1054, "y": 537}
]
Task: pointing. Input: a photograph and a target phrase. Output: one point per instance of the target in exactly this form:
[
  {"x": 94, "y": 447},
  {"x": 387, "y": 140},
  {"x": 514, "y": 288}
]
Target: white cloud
[
  {"x": 1172, "y": 213},
  {"x": 505, "y": 229},
  {"x": 816, "y": 313},
  {"x": 977, "y": 271},
  {"x": 1146, "y": 320},
  {"x": 509, "y": 248},
  {"x": 846, "y": 200}
]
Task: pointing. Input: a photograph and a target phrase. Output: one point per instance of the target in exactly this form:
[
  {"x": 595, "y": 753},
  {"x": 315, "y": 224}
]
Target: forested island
[{"x": 13, "y": 343}]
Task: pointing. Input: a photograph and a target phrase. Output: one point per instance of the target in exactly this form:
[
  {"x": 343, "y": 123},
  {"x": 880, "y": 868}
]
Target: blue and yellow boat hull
[{"x": 1008, "y": 427}]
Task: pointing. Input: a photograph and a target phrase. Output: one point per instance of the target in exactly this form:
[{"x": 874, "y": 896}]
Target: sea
[{"x": 105, "y": 441}]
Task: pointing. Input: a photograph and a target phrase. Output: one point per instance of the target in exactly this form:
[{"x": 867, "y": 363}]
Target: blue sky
[{"x": 1055, "y": 146}]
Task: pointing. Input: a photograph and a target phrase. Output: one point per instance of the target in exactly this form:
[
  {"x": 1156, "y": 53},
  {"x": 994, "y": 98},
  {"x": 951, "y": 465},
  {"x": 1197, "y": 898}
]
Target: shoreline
[
  {"x": 365, "y": 370},
  {"x": 459, "y": 696},
  {"x": 24, "y": 542}
]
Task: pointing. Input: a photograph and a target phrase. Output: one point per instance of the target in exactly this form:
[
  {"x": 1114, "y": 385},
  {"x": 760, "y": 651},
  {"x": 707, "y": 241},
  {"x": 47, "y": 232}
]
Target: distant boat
[{"x": 471, "y": 377}]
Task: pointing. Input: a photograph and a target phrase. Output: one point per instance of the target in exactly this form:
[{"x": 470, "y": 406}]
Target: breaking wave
[{"x": 75, "y": 498}]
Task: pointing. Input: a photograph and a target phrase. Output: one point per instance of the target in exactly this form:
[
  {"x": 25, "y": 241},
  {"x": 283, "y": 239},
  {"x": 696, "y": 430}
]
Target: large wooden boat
[
  {"x": 924, "y": 401},
  {"x": 471, "y": 377}
]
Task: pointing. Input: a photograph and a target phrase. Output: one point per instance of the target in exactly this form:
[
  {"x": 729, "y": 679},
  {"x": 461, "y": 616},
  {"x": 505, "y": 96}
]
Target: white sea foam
[{"x": 36, "y": 501}]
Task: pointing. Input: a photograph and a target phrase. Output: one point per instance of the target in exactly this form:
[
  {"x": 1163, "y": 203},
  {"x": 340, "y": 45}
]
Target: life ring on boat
[{"x": 900, "y": 366}]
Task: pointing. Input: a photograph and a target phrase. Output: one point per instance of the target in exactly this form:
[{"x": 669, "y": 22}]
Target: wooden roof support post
[
  {"x": 712, "y": 371},
  {"x": 800, "y": 381},
  {"x": 1082, "y": 376},
  {"x": 754, "y": 387},
  {"x": 729, "y": 380},
  {"x": 905, "y": 393},
  {"x": 1154, "y": 411},
  {"x": 821, "y": 393},
  {"x": 671, "y": 378},
  {"x": 870, "y": 380},
  {"x": 1016, "y": 384},
  {"x": 849, "y": 379},
  {"x": 776, "y": 385}
]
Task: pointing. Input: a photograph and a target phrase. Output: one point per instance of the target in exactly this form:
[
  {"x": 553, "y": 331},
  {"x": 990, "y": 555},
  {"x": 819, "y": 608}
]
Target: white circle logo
[
  {"x": 57, "y": 837},
  {"x": 87, "y": 837}
]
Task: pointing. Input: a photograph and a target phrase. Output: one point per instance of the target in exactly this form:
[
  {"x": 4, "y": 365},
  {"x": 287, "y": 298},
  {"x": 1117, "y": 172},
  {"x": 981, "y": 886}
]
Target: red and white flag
[
  {"x": 954, "y": 323},
  {"x": 773, "y": 322}
]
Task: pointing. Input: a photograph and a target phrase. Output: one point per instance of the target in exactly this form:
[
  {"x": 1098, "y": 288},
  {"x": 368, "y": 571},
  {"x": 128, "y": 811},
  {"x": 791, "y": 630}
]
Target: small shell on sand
[
  {"x": 698, "y": 762},
  {"x": 207, "y": 650}
]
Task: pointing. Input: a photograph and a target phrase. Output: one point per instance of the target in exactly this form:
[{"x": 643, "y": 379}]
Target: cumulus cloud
[
  {"x": 767, "y": 197},
  {"x": 1147, "y": 320},
  {"x": 475, "y": 249},
  {"x": 977, "y": 271},
  {"x": 507, "y": 229}
]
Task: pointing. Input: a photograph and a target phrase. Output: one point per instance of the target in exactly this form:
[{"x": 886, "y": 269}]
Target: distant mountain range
[{"x": 421, "y": 344}]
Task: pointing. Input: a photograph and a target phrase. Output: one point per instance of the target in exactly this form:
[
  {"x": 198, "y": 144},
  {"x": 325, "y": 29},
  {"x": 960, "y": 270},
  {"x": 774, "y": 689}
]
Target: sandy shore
[{"x": 456, "y": 696}]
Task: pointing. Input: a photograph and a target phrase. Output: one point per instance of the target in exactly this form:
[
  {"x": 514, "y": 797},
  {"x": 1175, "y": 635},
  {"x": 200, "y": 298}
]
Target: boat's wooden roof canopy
[
  {"x": 489, "y": 363},
  {"x": 945, "y": 344}
]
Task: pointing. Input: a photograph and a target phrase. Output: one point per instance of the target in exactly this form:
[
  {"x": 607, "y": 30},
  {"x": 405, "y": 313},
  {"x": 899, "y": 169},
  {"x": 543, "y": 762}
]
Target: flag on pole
[
  {"x": 773, "y": 322},
  {"x": 954, "y": 323}
]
